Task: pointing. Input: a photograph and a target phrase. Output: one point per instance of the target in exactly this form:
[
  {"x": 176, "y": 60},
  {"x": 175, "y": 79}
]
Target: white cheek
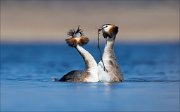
[{"x": 107, "y": 29}]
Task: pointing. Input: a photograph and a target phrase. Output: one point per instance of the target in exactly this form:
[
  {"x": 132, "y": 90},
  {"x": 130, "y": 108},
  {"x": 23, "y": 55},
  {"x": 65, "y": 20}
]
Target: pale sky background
[{"x": 49, "y": 21}]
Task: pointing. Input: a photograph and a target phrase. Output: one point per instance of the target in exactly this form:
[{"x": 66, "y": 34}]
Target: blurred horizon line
[{"x": 94, "y": 42}]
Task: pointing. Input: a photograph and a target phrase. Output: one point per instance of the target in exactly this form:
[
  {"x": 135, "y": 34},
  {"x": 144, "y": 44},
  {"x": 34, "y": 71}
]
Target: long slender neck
[
  {"x": 88, "y": 58},
  {"x": 109, "y": 50}
]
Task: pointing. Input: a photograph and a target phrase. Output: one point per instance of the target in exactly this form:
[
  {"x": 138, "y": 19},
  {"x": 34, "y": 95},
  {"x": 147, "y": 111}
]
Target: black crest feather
[{"x": 73, "y": 32}]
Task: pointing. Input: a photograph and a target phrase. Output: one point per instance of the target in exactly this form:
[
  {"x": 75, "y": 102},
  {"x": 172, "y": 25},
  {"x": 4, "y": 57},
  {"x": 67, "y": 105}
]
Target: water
[{"x": 151, "y": 83}]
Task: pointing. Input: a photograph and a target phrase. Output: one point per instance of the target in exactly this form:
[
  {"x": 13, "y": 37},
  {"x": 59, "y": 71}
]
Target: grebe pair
[{"x": 95, "y": 72}]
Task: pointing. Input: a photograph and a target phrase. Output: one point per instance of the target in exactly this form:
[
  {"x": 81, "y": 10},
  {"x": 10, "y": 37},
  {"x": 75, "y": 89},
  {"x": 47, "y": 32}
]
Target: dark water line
[
  {"x": 151, "y": 80},
  {"x": 130, "y": 80}
]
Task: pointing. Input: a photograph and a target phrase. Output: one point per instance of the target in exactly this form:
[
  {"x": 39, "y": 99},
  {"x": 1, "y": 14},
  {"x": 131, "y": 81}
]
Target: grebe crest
[
  {"x": 75, "y": 33},
  {"x": 77, "y": 37}
]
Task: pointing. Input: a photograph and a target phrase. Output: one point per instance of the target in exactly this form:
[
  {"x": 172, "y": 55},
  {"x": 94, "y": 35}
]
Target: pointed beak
[{"x": 99, "y": 29}]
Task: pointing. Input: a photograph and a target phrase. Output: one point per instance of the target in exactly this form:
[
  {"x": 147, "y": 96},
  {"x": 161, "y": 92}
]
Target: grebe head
[
  {"x": 76, "y": 38},
  {"x": 109, "y": 31}
]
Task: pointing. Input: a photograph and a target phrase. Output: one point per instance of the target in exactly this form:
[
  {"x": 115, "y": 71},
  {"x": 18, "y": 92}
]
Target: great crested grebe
[
  {"x": 113, "y": 73},
  {"x": 90, "y": 74}
]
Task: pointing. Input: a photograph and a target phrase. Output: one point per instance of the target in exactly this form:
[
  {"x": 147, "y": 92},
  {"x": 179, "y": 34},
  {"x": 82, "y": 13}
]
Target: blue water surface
[{"x": 151, "y": 73}]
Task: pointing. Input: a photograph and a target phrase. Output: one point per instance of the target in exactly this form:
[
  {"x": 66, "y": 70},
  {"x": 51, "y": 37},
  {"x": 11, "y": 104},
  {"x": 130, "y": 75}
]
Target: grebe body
[
  {"x": 90, "y": 73},
  {"x": 113, "y": 73}
]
